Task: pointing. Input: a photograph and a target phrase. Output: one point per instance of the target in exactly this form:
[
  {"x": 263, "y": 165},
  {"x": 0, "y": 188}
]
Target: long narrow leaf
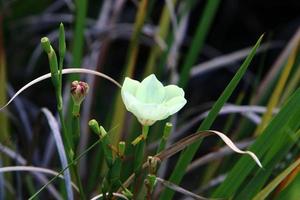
[
  {"x": 2, "y": 191},
  {"x": 179, "y": 189},
  {"x": 35, "y": 170},
  {"x": 286, "y": 121},
  {"x": 61, "y": 150},
  {"x": 4, "y": 133},
  {"x": 198, "y": 40},
  {"x": 271, "y": 186},
  {"x": 187, "y": 155},
  {"x": 189, "y": 140},
  {"x": 64, "y": 71},
  {"x": 274, "y": 99},
  {"x": 119, "y": 111},
  {"x": 20, "y": 160}
]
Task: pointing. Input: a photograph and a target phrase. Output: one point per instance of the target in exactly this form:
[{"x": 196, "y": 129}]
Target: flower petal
[
  {"x": 130, "y": 102},
  {"x": 175, "y": 104},
  {"x": 172, "y": 91},
  {"x": 151, "y": 90},
  {"x": 152, "y": 111},
  {"x": 130, "y": 86},
  {"x": 147, "y": 114}
]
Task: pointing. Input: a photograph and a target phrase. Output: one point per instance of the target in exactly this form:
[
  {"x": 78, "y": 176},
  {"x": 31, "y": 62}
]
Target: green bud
[
  {"x": 151, "y": 180},
  {"x": 52, "y": 60},
  {"x": 127, "y": 193},
  {"x": 93, "y": 124},
  {"x": 167, "y": 130},
  {"x": 62, "y": 41},
  {"x": 46, "y": 45},
  {"x": 102, "y": 132},
  {"x": 122, "y": 146}
]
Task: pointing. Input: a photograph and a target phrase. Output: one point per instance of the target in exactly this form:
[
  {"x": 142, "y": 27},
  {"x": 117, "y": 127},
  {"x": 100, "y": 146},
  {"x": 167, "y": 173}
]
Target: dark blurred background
[{"x": 237, "y": 25}]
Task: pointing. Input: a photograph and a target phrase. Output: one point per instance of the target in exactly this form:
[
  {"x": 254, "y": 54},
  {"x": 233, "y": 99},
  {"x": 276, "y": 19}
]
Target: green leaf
[
  {"x": 188, "y": 154},
  {"x": 198, "y": 40},
  {"x": 269, "y": 143},
  {"x": 271, "y": 186}
]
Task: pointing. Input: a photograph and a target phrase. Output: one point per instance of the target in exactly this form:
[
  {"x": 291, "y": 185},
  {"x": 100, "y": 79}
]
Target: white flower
[{"x": 150, "y": 101}]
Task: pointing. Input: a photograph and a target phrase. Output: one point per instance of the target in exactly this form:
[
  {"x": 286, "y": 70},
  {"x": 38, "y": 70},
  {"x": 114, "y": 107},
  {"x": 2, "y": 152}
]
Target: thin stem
[
  {"x": 69, "y": 145},
  {"x": 62, "y": 171},
  {"x": 76, "y": 136},
  {"x": 139, "y": 156},
  {"x": 79, "y": 183}
]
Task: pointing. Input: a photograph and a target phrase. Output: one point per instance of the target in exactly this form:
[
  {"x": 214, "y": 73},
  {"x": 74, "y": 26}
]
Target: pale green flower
[{"x": 150, "y": 101}]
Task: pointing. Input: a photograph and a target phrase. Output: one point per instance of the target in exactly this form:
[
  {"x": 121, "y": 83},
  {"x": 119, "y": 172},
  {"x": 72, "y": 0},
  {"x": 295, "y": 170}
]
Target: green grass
[{"x": 187, "y": 155}]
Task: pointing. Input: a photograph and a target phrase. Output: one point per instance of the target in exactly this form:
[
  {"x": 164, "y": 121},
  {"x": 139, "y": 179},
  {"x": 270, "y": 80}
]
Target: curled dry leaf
[{"x": 183, "y": 143}]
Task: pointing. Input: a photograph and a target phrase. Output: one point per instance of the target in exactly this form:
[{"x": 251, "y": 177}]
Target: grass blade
[
  {"x": 64, "y": 71},
  {"x": 187, "y": 155},
  {"x": 78, "y": 41},
  {"x": 61, "y": 150},
  {"x": 2, "y": 191},
  {"x": 264, "y": 193},
  {"x": 274, "y": 99},
  {"x": 34, "y": 170},
  {"x": 179, "y": 189},
  {"x": 20, "y": 160},
  {"x": 198, "y": 40},
  {"x": 162, "y": 33},
  {"x": 286, "y": 121},
  {"x": 276, "y": 67},
  {"x": 190, "y": 140},
  {"x": 3, "y": 120},
  {"x": 119, "y": 111},
  {"x": 121, "y": 196},
  {"x": 222, "y": 152}
]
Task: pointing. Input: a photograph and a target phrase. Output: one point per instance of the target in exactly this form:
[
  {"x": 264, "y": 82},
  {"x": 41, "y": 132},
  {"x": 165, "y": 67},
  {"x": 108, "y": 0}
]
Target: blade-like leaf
[
  {"x": 34, "y": 170},
  {"x": 271, "y": 186},
  {"x": 2, "y": 191},
  {"x": 179, "y": 189},
  {"x": 189, "y": 140},
  {"x": 274, "y": 99},
  {"x": 272, "y": 140},
  {"x": 64, "y": 71},
  {"x": 187, "y": 155},
  {"x": 61, "y": 150},
  {"x": 204, "y": 24}
]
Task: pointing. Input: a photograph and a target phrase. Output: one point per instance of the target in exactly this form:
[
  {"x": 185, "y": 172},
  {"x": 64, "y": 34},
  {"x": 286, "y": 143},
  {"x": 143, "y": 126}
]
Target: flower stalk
[
  {"x": 164, "y": 139},
  {"x": 139, "y": 153},
  {"x": 56, "y": 77}
]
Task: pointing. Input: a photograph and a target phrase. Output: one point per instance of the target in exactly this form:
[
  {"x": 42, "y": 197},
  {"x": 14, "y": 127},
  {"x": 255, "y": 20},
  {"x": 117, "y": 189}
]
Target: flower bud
[
  {"x": 62, "y": 41},
  {"x": 152, "y": 164},
  {"x": 121, "y": 148},
  {"x": 93, "y": 124},
  {"x": 79, "y": 90},
  {"x": 46, "y": 45},
  {"x": 103, "y": 132}
]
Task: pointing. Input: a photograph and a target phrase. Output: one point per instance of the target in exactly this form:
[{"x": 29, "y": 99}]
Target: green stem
[
  {"x": 164, "y": 139},
  {"x": 69, "y": 150},
  {"x": 76, "y": 135},
  {"x": 139, "y": 157},
  {"x": 79, "y": 183},
  {"x": 63, "y": 170}
]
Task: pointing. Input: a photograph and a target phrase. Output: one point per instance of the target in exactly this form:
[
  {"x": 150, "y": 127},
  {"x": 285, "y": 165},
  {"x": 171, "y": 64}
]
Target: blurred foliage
[{"x": 198, "y": 45}]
